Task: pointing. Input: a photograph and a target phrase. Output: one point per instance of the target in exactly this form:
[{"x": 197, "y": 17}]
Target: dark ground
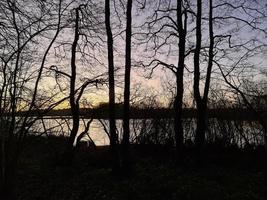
[{"x": 225, "y": 174}]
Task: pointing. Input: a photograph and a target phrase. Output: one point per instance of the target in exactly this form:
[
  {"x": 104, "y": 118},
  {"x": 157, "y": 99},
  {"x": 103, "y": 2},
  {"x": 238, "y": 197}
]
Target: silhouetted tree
[
  {"x": 84, "y": 19},
  {"x": 21, "y": 31},
  {"x": 74, "y": 104},
  {"x": 248, "y": 104},
  {"x": 201, "y": 102},
  {"x": 172, "y": 21},
  {"x": 111, "y": 71},
  {"x": 178, "y": 102},
  {"x": 229, "y": 48},
  {"x": 127, "y": 81}
]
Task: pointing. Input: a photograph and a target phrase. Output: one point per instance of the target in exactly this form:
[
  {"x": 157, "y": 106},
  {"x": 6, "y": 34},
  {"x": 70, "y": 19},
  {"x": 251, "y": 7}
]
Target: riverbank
[{"x": 225, "y": 174}]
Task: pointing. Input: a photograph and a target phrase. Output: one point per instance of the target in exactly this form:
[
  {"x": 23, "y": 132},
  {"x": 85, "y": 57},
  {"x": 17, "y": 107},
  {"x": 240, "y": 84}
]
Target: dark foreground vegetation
[
  {"x": 230, "y": 173},
  {"x": 183, "y": 54}
]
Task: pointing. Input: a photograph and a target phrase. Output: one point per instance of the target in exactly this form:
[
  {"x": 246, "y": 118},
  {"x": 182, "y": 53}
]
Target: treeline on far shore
[{"x": 101, "y": 112}]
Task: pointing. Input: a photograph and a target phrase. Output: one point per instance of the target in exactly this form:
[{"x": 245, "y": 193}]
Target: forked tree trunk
[{"x": 202, "y": 102}]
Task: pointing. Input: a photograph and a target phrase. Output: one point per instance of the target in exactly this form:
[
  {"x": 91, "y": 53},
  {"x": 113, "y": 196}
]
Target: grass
[{"x": 225, "y": 174}]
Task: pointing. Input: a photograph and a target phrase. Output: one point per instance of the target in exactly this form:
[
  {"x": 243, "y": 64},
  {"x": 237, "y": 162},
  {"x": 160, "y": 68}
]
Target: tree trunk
[
  {"x": 178, "y": 103},
  {"x": 112, "y": 121},
  {"x": 178, "y": 124},
  {"x": 202, "y": 102},
  {"x": 201, "y": 126},
  {"x": 126, "y": 114},
  {"x": 73, "y": 104},
  {"x": 200, "y": 130}
]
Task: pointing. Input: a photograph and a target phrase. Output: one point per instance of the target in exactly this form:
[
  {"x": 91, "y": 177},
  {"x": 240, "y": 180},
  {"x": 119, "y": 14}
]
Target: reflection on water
[
  {"x": 62, "y": 127},
  {"x": 157, "y": 131}
]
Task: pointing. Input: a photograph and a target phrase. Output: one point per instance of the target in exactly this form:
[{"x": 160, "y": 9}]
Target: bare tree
[
  {"x": 20, "y": 38},
  {"x": 258, "y": 116},
  {"x": 201, "y": 102},
  {"x": 178, "y": 102},
  {"x": 111, "y": 71},
  {"x": 127, "y": 78},
  {"x": 74, "y": 104},
  {"x": 172, "y": 23},
  {"x": 83, "y": 20},
  {"x": 229, "y": 47}
]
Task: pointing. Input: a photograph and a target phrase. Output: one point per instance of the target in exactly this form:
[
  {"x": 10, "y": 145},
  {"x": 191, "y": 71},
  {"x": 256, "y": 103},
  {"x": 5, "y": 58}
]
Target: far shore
[{"x": 151, "y": 113}]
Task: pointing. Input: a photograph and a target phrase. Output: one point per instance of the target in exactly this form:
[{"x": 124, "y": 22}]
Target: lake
[{"x": 158, "y": 131}]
